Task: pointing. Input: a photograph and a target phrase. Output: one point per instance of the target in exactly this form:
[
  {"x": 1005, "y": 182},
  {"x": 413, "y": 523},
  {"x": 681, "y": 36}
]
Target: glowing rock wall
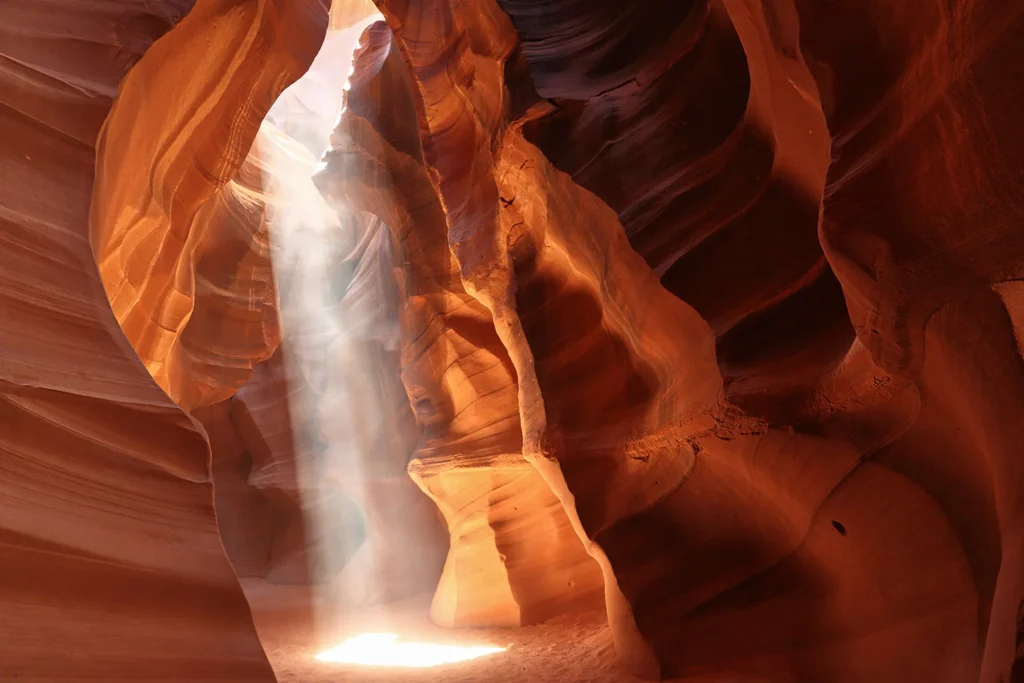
[{"x": 736, "y": 279}]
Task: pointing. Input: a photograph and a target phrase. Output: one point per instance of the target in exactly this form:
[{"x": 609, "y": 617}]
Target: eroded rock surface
[
  {"x": 705, "y": 311},
  {"x": 112, "y": 568},
  {"x": 720, "y": 421},
  {"x": 514, "y": 558}
]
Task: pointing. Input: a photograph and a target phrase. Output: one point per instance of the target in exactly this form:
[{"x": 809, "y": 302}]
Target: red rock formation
[
  {"x": 113, "y": 567},
  {"x": 618, "y": 387},
  {"x": 513, "y": 559},
  {"x": 712, "y": 150},
  {"x": 710, "y": 304},
  {"x": 162, "y": 238},
  {"x": 257, "y": 461}
]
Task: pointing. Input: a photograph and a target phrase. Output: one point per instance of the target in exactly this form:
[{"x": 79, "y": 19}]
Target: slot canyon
[{"x": 486, "y": 341}]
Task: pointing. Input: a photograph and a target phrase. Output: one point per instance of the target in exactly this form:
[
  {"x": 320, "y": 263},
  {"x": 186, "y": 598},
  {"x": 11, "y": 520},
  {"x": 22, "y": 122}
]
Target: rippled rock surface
[{"x": 706, "y": 313}]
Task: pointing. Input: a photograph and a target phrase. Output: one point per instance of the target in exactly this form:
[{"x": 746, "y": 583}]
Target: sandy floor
[{"x": 567, "y": 650}]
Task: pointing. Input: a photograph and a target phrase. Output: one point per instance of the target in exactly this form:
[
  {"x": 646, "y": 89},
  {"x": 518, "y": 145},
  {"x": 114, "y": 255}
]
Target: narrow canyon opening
[
  {"x": 426, "y": 533},
  {"x": 372, "y": 543}
]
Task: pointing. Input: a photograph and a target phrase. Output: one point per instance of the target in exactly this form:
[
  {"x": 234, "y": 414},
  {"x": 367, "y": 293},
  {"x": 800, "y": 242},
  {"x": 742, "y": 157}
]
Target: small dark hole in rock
[{"x": 839, "y": 527}]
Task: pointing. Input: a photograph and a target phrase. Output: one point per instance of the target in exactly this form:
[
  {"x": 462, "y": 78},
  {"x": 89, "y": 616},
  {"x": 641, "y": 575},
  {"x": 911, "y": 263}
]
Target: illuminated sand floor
[{"x": 567, "y": 650}]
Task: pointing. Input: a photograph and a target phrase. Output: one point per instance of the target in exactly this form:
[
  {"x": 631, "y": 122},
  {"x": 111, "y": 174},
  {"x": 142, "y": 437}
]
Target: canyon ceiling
[{"x": 705, "y": 313}]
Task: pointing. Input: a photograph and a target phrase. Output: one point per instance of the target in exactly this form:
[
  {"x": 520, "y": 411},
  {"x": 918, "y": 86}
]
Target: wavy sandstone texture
[
  {"x": 513, "y": 557},
  {"x": 113, "y": 568},
  {"x": 747, "y": 431},
  {"x": 708, "y": 312}
]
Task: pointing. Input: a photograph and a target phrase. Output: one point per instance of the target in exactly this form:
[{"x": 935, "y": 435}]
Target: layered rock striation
[
  {"x": 113, "y": 565},
  {"x": 706, "y": 312},
  {"x": 745, "y": 427}
]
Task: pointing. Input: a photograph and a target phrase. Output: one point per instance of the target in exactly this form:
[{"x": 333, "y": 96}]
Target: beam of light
[
  {"x": 338, "y": 297},
  {"x": 310, "y": 242},
  {"x": 383, "y": 649}
]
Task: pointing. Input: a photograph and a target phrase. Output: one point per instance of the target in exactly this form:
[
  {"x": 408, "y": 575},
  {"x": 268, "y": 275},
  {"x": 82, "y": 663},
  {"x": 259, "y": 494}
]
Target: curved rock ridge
[
  {"x": 286, "y": 513},
  {"x": 708, "y": 312},
  {"x": 787, "y": 465},
  {"x": 712, "y": 150},
  {"x": 183, "y": 249},
  {"x": 514, "y": 559},
  {"x": 113, "y": 566},
  {"x": 257, "y": 459},
  {"x": 917, "y": 222}
]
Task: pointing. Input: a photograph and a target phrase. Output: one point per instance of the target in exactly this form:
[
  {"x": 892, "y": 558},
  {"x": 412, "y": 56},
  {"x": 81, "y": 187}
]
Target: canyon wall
[
  {"x": 514, "y": 558},
  {"x": 113, "y": 567},
  {"x": 771, "y": 432},
  {"x": 704, "y": 311}
]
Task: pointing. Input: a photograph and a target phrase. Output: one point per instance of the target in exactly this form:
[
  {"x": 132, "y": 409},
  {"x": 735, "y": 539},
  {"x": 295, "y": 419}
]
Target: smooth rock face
[
  {"x": 764, "y": 431},
  {"x": 707, "y": 312},
  {"x": 514, "y": 559},
  {"x": 113, "y": 568}
]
